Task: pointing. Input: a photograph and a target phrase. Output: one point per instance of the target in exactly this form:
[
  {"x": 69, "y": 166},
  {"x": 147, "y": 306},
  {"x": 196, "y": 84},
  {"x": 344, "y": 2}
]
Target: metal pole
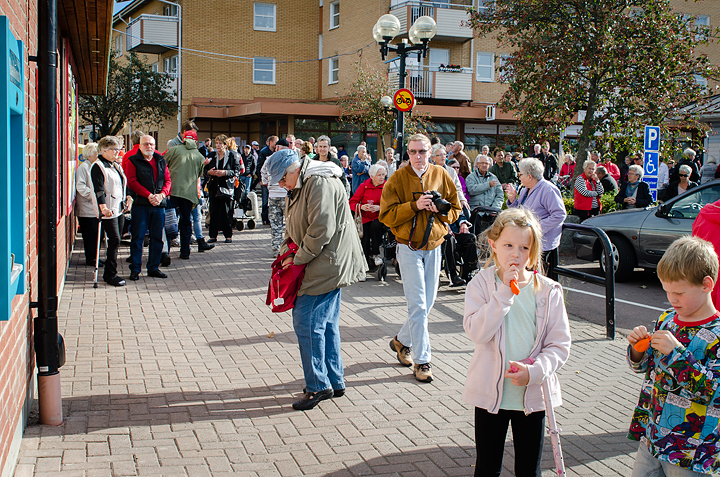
[
  {"x": 46, "y": 336},
  {"x": 400, "y": 127}
]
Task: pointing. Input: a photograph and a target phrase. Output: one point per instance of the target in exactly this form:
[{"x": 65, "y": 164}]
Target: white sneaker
[{"x": 378, "y": 260}]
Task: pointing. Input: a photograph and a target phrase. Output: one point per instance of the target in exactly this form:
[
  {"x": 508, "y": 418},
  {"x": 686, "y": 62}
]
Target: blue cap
[{"x": 278, "y": 162}]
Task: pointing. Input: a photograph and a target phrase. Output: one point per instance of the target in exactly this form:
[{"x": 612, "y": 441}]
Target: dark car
[{"x": 641, "y": 236}]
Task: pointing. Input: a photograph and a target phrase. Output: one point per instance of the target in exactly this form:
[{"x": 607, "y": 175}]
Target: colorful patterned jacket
[{"x": 679, "y": 406}]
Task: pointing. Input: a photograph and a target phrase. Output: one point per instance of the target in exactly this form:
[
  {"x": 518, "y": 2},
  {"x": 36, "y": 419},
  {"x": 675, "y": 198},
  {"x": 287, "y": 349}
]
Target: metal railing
[
  {"x": 608, "y": 281},
  {"x": 418, "y": 80}
]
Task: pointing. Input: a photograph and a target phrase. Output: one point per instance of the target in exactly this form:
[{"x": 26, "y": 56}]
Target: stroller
[
  {"x": 387, "y": 254},
  {"x": 245, "y": 207},
  {"x": 482, "y": 218}
]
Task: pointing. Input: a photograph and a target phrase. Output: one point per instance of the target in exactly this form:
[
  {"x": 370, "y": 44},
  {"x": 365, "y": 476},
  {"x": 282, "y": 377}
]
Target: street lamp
[{"x": 384, "y": 31}]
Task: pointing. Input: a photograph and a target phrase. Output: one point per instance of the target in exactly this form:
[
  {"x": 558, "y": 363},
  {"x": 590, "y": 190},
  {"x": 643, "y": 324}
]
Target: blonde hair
[
  {"x": 522, "y": 218},
  {"x": 231, "y": 144},
  {"x": 688, "y": 258}
]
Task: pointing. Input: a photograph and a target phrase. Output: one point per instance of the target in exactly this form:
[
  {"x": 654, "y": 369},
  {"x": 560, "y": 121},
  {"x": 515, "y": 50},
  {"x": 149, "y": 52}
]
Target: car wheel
[{"x": 624, "y": 259}]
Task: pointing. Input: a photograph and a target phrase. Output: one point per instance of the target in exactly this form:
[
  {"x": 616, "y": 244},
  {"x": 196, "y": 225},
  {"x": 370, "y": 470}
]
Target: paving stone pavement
[{"x": 180, "y": 377}]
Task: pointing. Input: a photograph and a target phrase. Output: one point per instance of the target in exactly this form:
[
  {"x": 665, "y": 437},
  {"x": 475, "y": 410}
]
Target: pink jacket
[
  {"x": 707, "y": 227},
  {"x": 486, "y": 304}
]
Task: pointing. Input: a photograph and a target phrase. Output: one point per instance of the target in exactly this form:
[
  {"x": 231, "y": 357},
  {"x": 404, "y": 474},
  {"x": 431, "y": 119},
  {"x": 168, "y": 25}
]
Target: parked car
[{"x": 640, "y": 236}]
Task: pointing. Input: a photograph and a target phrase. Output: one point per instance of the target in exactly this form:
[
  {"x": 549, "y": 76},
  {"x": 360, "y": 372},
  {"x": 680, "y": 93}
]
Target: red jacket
[
  {"x": 367, "y": 192},
  {"x": 707, "y": 227},
  {"x": 612, "y": 169},
  {"x": 567, "y": 169},
  {"x": 582, "y": 202}
]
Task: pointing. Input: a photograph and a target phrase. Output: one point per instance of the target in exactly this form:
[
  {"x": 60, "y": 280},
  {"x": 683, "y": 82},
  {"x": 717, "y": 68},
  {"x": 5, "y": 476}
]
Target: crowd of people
[{"x": 430, "y": 205}]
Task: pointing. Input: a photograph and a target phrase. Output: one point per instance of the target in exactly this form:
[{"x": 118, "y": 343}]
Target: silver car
[{"x": 641, "y": 236}]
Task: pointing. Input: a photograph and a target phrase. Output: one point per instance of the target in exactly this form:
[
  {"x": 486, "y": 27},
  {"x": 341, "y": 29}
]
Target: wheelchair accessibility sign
[{"x": 651, "y": 163}]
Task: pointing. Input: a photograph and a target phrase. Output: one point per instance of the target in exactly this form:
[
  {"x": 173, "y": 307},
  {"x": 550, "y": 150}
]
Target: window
[
  {"x": 701, "y": 81},
  {"x": 334, "y": 15},
  {"x": 265, "y": 16},
  {"x": 700, "y": 23},
  {"x": 504, "y": 64},
  {"x": 170, "y": 66},
  {"x": 155, "y": 67},
  {"x": 485, "y": 67},
  {"x": 170, "y": 10},
  {"x": 119, "y": 43},
  {"x": 333, "y": 72},
  {"x": 264, "y": 70}
]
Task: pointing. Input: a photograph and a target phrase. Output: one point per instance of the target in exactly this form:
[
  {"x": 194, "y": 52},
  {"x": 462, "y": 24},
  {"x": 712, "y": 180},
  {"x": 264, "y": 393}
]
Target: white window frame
[
  {"x": 487, "y": 67},
  {"x": 255, "y": 69},
  {"x": 155, "y": 67},
  {"x": 170, "y": 66},
  {"x": 170, "y": 10},
  {"x": 699, "y": 79},
  {"x": 334, "y": 67},
  {"x": 334, "y": 15},
  {"x": 119, "y": 42},
  {"x": 503, "y": 59},
  {"x": 255, "y": 16}
]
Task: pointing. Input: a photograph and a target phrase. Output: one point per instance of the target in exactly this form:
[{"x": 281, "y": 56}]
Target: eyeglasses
[
  {"x": 456, "y": 167},
  {"x": 415, "y": 152},
  {"x": 683, "y": 175}
]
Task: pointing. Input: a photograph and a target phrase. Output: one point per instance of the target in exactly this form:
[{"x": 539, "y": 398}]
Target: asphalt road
[{"x": 639, "y": 301}]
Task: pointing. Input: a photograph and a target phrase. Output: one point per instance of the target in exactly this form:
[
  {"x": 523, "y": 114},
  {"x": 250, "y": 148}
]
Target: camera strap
[{"x": 426, "y": 236}]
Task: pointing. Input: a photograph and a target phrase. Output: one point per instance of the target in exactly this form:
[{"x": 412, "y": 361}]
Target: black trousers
[
  {"x": 464, "y": 245},
  {"x": 112, "y": 228},
  {"x": 528, "y": 433},
  {"x": 185, "y": 208},
  {"x": 221, "y": 217},
  {"x": 89, "y": 231},
  {"x": 586, "y": 214},
  {"x": 372, "y": 238}
]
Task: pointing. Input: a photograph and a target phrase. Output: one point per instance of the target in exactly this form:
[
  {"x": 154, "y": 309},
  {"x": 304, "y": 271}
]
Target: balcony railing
[
  {"x": 429, "y": 82},
  {"x": 451, "y": 18},
  {"x": 153, "y": 34}
]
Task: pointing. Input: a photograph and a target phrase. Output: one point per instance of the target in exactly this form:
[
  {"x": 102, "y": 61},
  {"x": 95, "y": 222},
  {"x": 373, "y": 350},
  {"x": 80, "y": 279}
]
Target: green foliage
[
  {"x": 607, "y": 200},
  {"x": 623, "y": 63},
  {"x": 135, "y": 92},
  {"x": 360, "y": 107}
]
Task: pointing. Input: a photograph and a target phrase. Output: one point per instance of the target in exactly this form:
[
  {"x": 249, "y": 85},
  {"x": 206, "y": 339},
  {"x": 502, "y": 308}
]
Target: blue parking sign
[
  {"x": 652, "y": 138},
  {"x": 651, "y": 163},
  {"x": 652, "y": 184}
]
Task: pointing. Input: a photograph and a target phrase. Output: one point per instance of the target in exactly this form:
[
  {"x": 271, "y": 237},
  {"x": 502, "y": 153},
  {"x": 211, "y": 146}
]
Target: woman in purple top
[{"x": 543, "y": 198}]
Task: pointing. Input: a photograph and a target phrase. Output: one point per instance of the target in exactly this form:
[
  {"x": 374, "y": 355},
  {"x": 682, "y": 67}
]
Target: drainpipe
[{"x": 49, "y": 350}]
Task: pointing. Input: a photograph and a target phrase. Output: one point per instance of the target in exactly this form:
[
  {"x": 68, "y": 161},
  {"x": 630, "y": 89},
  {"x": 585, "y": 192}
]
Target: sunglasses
[{"x": 683, "y": 175}]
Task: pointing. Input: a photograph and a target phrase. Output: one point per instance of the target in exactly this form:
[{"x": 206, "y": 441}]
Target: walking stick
[
  {"x": 552, "y": 426},
  {"x": 97, "y": 252}
]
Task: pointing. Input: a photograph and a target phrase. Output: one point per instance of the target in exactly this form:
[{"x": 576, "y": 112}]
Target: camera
[{"x": 442, "y": 205}]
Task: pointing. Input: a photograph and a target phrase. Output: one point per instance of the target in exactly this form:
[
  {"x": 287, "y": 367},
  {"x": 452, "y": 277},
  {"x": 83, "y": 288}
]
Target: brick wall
[{"x": 16, "y": 356}]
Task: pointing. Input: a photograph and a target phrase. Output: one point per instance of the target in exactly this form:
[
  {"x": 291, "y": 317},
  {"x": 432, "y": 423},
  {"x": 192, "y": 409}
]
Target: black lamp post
[{"x": 384, "y": 31}]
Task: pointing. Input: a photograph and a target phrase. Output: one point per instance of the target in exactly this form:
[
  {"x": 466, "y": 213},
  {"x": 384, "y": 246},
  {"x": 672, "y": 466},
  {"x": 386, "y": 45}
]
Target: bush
[{"x": 607, "y": 201}]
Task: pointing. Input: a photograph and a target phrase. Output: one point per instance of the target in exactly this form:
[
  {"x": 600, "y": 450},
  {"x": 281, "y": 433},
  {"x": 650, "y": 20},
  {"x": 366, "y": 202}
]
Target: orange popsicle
[
  {"x": 514, "y": 287},
  {"x": 642, "y": 345}
]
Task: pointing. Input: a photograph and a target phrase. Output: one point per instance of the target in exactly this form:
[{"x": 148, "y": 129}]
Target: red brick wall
[{"x": 17, "y": 358}]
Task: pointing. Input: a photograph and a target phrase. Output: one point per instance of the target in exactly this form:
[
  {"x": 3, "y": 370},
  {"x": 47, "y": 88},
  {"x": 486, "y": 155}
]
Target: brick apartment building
[
  {"x": 44, "y": 63},
  {"x": 259, "y": 73}
]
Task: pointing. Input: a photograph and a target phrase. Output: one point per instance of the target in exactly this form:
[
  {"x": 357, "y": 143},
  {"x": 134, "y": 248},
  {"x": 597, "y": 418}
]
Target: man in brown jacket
[
  {"x": 420, "y": 228},
  {"x": 462, "y": 158}
]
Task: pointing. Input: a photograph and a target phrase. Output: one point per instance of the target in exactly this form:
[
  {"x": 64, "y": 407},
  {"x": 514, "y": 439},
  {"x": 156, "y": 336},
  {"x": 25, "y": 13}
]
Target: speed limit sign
[{"x": 404, "y": 100}]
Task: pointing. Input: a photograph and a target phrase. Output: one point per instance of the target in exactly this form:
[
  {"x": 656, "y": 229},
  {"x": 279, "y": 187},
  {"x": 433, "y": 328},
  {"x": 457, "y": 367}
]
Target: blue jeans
[
  {"x": 420, "y": 271},
  {"x": 247, "y": 180},
  {"x": 152, "y": 219},
  {"x": 316, "y": 319},
  {"x": 648, "y": 466},
  {"x": 197, "y": 225}
]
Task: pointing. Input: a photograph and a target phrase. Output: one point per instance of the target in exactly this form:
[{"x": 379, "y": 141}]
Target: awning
[{"x": 87, "y": 26}]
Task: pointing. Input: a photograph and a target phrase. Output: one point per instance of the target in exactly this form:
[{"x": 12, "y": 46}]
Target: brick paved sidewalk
[{"x": 178, "y": 377}]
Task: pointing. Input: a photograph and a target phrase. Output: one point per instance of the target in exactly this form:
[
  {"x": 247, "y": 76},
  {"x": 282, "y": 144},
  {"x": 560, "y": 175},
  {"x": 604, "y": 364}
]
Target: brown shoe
[
  {"x": 422, "y": 372},
  {"x": 404, "y": 354}
]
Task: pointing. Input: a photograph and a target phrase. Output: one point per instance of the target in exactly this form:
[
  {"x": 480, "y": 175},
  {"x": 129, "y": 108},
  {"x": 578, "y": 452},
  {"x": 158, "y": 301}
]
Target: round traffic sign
[{"x": 404, "y": 100}]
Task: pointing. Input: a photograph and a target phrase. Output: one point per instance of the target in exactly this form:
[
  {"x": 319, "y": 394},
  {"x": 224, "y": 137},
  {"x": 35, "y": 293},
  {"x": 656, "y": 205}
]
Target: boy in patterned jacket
[{"x": 676, "y": 418}]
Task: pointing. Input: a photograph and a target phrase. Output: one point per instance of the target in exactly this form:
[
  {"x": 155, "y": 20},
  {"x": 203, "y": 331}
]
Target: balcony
[
  {"x": 154, "y": 34},
  {"x": 429, "y": 82},
  {"x": 451, "y": 18}
]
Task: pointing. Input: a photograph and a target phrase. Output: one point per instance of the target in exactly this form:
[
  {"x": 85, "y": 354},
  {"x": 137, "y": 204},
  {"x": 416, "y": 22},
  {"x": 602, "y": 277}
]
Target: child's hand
[
  {"x": 664, "y": 341},
  {"x": 511, "y": 273},
  {"x": 638, "y": 333},
  {"x": 518, "y": 373}
]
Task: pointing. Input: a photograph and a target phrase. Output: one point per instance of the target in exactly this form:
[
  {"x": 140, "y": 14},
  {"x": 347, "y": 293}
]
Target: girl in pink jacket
[{"x": 507, "y": 328}]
